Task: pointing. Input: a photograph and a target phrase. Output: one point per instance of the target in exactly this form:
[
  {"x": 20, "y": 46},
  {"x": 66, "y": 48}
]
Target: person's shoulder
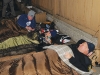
[
  {"x": 72, "y": 46},
  {"x": 24, "y": 15}
]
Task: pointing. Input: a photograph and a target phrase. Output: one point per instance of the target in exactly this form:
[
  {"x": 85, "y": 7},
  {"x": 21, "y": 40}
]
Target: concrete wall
[
  {"x": 67, "y": 29},
  {"x": 73, "y": 32}
]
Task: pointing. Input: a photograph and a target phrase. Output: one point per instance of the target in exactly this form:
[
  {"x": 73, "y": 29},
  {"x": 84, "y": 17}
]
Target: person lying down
[
  {"x": 52, "y": 61},
  {"x": 76, "y": 55},
  {"x": 18, "y": 40},
  {"x": 46, "y": 62}
]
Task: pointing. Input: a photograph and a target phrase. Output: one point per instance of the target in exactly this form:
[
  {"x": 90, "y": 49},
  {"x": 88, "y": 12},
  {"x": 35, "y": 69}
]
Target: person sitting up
[
  {"x": 81, "y": 50},
  {"x": 27, "y": 21}
]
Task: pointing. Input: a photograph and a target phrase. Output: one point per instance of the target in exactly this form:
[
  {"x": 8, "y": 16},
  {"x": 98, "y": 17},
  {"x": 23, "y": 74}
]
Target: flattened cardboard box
[{"x": 40, "y": 17}]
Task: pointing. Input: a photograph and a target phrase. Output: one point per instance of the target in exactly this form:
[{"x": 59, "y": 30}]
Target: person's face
[
  {"x": 48, "y": 34},
  {"x": 83, "y": 48},
  {"x": 30, "y": 18}
]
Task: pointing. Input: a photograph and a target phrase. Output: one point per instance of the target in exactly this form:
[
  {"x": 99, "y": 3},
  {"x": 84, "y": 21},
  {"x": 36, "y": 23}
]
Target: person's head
[
  {"x": 31, "y": 15},
  {"x": 85, "y": 47},
  {"x": 51, "y": 33},
  {"x": 47, "y": 33}
]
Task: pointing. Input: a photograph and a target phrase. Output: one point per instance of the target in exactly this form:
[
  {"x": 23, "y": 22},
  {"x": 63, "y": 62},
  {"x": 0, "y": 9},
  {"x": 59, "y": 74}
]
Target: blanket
[
  {"x": 18, "y": 50},
  {"x": 9, "y": 28},
  {"x": 14, "y": 40},
  {"x": 41, "y": 63}
]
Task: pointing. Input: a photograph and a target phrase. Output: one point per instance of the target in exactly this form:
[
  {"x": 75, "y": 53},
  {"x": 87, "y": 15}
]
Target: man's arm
[
  {"x": 21, "y": 21},
  {"x": 76, "y": 62},
  {"x": 33, "y": 24}
]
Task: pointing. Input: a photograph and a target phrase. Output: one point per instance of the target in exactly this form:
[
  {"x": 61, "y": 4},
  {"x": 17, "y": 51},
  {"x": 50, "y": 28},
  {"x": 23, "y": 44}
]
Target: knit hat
[
  {"x": 31, "y": 13},
  {"x": 53, "y": 33},
  {"x": 90, "y": 46}
]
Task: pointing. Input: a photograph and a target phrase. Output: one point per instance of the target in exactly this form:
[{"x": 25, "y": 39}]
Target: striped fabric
[{"x": 61, "y": 50}]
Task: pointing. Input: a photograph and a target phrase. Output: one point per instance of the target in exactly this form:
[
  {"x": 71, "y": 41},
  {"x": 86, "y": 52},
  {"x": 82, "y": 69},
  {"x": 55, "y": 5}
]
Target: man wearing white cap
[{"x": 27, "y": 21}]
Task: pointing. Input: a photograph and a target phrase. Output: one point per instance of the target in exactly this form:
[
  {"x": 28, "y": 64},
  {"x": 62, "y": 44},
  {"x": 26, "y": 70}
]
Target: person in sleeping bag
[
  {"x": 52, "y": 37},
  {"x": 82, "y": 50}
]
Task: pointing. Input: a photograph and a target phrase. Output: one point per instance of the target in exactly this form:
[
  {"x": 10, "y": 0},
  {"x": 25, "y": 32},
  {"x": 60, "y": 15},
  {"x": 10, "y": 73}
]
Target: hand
[
  {"x": 48, "y": 34},
  {"x": 48, "y": 40},
  {"x": 29, "y": 28},
  {"x": 68, "y": 55}
]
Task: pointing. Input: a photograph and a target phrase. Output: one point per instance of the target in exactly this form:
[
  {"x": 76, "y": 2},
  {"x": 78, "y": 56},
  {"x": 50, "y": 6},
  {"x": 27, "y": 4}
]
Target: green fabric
[{"x": 15, "y": 41}]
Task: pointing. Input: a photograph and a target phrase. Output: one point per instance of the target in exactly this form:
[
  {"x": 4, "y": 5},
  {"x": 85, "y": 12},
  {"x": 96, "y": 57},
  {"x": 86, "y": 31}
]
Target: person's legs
[
  {"x": 5, "y": 4},
  {"x": 12, "y": 7}
]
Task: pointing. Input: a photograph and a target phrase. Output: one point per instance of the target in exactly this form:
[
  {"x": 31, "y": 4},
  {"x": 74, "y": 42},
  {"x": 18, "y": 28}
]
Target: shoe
[{"x": 97, "y": 64}]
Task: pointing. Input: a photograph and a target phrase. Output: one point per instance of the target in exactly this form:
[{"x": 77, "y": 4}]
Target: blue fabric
[
  {"x": 53, "y": 33},
  {"x": 23, "y": 19},
  {"x": 91, "y": 46}
]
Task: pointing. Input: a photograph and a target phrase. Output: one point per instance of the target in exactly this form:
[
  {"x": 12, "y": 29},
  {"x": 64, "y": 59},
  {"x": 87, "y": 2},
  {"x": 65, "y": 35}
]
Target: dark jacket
[
  {"x": 23, "y": 21},
  {"x": 80, "y": 60}
]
